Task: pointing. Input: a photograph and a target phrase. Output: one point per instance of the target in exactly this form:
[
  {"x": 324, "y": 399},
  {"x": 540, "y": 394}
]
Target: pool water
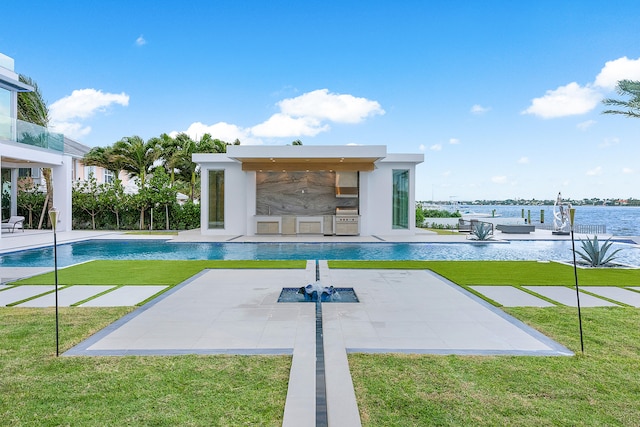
[
  {"x": 74, "y": 253},
  {"x": 340, "y": 295}
]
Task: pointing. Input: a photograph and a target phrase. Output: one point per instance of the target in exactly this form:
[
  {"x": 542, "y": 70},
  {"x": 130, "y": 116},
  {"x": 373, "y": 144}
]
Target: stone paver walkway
[
  {"x": 509, "y": 296},
  {"x": 567, "y": 296}
]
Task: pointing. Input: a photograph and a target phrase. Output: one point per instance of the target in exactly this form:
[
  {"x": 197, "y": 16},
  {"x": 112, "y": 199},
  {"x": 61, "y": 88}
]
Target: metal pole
[
  {"x": 55, "y": 270},
  {"x": 572, "y": 213},
  {"x": 53, "y": 216}
]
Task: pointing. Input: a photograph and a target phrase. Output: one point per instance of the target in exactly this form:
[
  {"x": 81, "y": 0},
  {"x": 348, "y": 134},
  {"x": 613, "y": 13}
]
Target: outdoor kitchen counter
[{"x": 291, "y": 224}]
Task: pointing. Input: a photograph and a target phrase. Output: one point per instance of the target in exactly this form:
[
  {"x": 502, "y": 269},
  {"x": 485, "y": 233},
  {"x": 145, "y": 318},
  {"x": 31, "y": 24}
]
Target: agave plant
[
  {"x": 482, "y": 231},
  {"x": 594, "y": 254}
]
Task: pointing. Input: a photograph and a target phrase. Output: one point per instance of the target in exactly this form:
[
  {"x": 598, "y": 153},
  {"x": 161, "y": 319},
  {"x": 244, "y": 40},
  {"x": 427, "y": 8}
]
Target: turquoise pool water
[{"x": 73, "y": 253}]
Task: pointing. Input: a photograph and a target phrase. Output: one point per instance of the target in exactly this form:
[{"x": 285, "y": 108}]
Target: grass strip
[
  {"x": 40, "y": 389},
  {"x": 599, "y": 388},
  {"x": 145, "y": 272},
  {"x": 507, "y": 272}
]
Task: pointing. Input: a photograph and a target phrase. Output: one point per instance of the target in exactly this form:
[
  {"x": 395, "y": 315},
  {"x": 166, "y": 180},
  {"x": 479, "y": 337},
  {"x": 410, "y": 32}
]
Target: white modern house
[
  {"x": 296, "y": 190},
  {"x": 27, "y": 146}
]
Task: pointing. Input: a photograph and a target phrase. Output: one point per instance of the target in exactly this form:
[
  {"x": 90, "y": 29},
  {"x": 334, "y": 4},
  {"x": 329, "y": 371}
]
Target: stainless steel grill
[{"x": 347, "y": 222}]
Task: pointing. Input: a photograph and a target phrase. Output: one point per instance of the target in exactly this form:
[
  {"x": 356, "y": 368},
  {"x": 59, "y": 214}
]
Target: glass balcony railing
[{"x": 30, "y": 134}]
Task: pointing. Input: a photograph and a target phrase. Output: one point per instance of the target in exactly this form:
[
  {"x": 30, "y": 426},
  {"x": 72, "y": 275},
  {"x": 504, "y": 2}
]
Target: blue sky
[{"x": 502, "y": 97}]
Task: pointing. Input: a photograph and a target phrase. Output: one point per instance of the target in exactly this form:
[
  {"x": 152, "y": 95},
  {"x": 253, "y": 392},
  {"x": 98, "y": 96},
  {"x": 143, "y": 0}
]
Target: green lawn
[
  {"x": 598, "y": 388},
  {"x": 38, "y": 389},
  {"x": 520, "y": 273},
  {"x": 150, "y": 272}
]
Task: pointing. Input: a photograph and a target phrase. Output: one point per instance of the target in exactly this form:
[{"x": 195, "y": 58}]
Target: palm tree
[
  {"x": 31, "y": 105},
  {"x": 187, "y": 169},
  {"x": 135, "y": 156},
  {"x": 630, "y": 108},
  {"x": 169, "y": 148},
  {"x": 102, "y": 157}
]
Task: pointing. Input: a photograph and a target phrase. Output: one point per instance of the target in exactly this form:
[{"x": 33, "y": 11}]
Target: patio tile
[
  {"x": 124, "y": 296},
  {"x": 617, "y": 294},
  {"x": 18, "y": 293},
  {"x": 567, "y": 296},
  {"x": 67, "y": 296},
  {"x": 509, "y": 296}
]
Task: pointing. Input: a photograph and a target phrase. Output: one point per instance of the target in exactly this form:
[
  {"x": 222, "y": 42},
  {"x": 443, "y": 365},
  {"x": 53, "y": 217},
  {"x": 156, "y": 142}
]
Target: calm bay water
[{"x": 620, "y": 220}]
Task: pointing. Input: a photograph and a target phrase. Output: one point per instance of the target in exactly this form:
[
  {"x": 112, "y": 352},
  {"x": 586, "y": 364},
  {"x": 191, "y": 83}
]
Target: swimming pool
[{"x": 73, "y": 253}]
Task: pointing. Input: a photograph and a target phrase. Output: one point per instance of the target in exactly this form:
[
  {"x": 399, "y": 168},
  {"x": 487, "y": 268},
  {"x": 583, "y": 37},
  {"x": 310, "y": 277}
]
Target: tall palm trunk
[{"x": 46, "y": 175}]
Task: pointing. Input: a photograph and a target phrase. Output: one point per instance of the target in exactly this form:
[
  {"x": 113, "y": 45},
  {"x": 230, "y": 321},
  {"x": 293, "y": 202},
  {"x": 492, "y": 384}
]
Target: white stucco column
[
  {"x": 204, "y": 200},
  {"x": 14, "y": 191},
  {"x": 62, "y": 183}
]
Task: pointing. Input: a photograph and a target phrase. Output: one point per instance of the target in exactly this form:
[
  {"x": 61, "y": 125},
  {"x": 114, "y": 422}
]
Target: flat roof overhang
[
  {"x": 307, "y": 158},
  {"x": 14, "y": 85}
]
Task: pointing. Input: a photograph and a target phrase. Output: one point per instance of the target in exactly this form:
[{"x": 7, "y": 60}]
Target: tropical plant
[
  {"x": 135, "y": 156},
  {"x": 169, "y": 150},
  {"x": 594, "y": 254},
  {"x": 187, "y": 169},
  {"x": 419, "y": 217},
  {"x": 31, "y": 105},
  {"x": 103, "y": 157},
  {"x": 482, "y": 230},
  {"x": 33, "y": 109},
  {"x": 630, "y": 108},
  {"x": 86, "y": 196},
  {"x": 30, "y": 198},
  {"x": 115, "y": 199}
]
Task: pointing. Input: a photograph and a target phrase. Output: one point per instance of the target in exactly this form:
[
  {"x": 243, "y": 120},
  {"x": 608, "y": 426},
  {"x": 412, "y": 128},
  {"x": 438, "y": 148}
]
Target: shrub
[
  {"x": 482, "y": 231},
  {"x": 595, "y": 255}
]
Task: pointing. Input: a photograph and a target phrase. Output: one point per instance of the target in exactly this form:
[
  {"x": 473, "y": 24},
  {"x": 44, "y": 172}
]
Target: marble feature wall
[{"x": 298, "y": 193}]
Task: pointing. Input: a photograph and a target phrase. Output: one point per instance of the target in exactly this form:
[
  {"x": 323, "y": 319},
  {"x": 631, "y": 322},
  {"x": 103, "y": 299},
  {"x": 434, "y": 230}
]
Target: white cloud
[
  {"x": 479, "y": 109},
  {"x": 618, "y": 69},
  {"x": 585, "y": 125},
  {"x": 523, "y": 160},
  {"x": 68, "y": 113},
  {"x": 501, "y": 179},
  {"x": 573, "y": 99},
  {"x": 221, "y": 130},
  {"x": 71, "y": 130},
  {"x": 140, "y": 41},
  {"x": 595, "y": 171},
  {"x": 84, "y": 103},
  {"x": 568, "y": 100},
  {"x": 305, "y": 115},
  {"x": 322, "y": 105},
  {"x": 422, "y": 147},
  {"x": 436, "y": 147},
  {"x": 446, "y": 173},
  {"x": 609, "y": 142},
  {"x": 282, "y": 125},
  {"x": 627, "y": 170},
  {"x": 454, "y": 141}
]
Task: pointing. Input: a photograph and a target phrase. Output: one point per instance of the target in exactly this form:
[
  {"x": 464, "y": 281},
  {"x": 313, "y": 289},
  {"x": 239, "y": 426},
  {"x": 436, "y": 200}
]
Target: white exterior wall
[
  {"x": 61, "y": 168},
  {"x": 376, "y": 196},
  {"x": 236, "y": 215},
  {"x": 62, "y": 179}
]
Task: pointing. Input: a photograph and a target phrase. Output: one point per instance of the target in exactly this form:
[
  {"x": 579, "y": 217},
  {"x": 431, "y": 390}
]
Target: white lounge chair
[{"x": 13, "y": 223}]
